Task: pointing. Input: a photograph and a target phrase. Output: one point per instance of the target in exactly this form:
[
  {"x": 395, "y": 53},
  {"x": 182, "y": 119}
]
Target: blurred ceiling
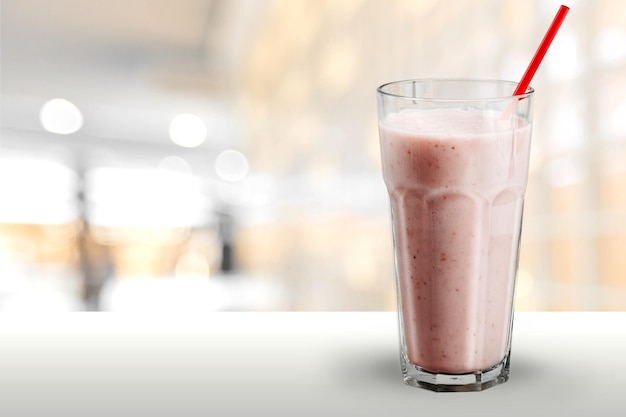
[{"x": 133, "y": 55}]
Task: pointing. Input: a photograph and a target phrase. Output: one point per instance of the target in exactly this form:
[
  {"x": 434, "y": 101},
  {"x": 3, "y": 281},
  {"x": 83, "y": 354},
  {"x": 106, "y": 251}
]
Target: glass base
[{"x": 474, "y": 381}]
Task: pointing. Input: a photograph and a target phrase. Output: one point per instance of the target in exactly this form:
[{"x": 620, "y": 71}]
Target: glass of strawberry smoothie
[{"x": 455, "y": 162}]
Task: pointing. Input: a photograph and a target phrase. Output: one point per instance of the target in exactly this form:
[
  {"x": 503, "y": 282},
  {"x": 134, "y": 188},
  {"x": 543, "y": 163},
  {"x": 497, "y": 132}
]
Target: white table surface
[{"x": 291, "y": 364}]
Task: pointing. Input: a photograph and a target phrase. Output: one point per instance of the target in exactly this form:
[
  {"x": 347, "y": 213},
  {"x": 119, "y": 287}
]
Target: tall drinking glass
[{"x": 455, "y": 162}]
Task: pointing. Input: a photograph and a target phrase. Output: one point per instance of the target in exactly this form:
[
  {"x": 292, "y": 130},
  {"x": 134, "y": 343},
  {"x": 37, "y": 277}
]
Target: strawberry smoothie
[{"x": 456, "y": 179}]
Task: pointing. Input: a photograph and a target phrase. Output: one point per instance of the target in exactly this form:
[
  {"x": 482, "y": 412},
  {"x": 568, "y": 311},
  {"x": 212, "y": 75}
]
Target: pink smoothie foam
[{"x": 456, "y": 180}]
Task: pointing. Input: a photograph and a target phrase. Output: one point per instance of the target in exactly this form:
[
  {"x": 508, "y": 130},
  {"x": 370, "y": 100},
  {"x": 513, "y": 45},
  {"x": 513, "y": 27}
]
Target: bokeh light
[
  {"x": 188, "y": 130},
  {"x": 231, "y": 165},
  {"x": 61, "y": 116}
]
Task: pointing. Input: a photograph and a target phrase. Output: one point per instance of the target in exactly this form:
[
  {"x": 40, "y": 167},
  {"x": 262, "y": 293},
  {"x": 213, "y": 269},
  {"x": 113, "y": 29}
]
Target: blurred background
[{"x": 198, "y": 155}]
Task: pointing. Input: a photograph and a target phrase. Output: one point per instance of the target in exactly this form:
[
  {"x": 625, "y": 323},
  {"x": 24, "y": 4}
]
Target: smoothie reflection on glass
[{"x": 455, "y": 159}]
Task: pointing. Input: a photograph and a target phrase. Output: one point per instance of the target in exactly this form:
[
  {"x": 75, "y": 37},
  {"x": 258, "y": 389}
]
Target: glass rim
[{"x": 381, "y": 90}]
